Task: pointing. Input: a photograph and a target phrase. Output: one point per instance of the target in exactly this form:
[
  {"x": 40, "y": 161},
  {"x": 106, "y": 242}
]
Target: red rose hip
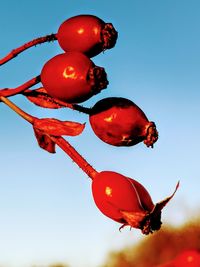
[
  {"x": 72, "y": 77},
  {"x": 119, "y": 122},
  {"x": 187, "y": 258},
  {"x": 127, "y": 201},
  {"x": 87, "y": 34}
]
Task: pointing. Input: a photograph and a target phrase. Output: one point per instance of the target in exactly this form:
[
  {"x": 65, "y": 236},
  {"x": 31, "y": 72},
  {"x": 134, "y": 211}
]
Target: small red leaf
[
  {"x": 56, "y": 127},
  {"x": 40, "y": 98},
  {"x": 44, "y": 141}
]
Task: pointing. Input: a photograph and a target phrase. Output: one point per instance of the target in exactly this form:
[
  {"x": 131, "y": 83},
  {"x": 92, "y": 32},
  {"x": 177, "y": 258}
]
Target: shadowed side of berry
[{"x": 119, "y": 122}]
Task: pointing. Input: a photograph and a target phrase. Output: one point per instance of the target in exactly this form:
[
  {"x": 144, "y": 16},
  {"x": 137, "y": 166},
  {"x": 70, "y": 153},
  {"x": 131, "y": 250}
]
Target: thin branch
[
  {"x": 60, "y": 141},
  {"x": 40, "y": 93},
  {"x": 34, "y": 42},
  {"x": 73, "y": 106},
  {"x": 18, "y": 110},
  {"x": 75, "y": 156},
  {"x": 81, "y": 109},
  {"x": 14, "y": 91}
]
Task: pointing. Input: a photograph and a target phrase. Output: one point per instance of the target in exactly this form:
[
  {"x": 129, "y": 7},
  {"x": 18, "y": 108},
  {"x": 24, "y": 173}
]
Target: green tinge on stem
[{"x": 18, "y": 110}]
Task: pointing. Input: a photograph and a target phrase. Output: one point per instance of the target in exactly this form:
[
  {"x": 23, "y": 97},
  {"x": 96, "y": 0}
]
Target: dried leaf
[
  {"x": 56, "y": 127},
  {"x": 40, "y": 98},
  {"x": 146, "y": 221},
  {"x": 160, "y": 205},
  {"x": 44, "y": 141}
]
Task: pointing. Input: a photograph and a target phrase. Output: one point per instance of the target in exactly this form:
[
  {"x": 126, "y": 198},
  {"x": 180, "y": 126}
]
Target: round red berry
[
  {"x": 126, "y": 201},
  {"x": 187, "y": 258},
  {"x": 72, "y": 77},
  {"x": 114, "y": 193},
  {"x": 87, "y": 34},
  {"x": 119, "y": 122}
]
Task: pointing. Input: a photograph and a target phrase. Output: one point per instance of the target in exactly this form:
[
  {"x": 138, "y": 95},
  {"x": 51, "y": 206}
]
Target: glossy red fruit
[
  {"x": 119, "y": 122},
  {"x": 188, "y": 258},
  {"x": 127, "y": 201},
  {"x": 72, "y": 77},
  {"x": 87, "y": 34}
]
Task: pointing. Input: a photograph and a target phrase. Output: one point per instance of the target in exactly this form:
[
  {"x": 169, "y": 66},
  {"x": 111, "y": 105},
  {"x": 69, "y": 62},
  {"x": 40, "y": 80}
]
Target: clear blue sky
[{"x": 46, "y": 209}]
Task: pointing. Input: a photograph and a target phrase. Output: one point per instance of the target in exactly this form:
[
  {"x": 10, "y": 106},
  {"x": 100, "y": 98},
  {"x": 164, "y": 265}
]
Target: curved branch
[
  {"x": 14, "y": 91},
  {"x": 59, "y": 140},
  {"x": 41, "y": 98},
  {"x": 75, "y": 156},
  {"x": 34, "y": 42}
]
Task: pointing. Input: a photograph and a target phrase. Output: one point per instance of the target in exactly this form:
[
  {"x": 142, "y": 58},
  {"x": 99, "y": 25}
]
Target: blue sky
[{"x": 46, "y": 207}]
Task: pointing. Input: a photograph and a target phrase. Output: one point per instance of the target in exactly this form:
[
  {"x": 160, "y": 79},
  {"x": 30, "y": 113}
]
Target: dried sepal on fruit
[
  {"x": 127, "y": 201},
  {"x": 147, "y": 221}
]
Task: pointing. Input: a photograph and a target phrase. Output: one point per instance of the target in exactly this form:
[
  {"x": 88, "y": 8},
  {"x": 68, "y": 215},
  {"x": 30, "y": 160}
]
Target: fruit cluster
[{"x": 71, "y": 78}]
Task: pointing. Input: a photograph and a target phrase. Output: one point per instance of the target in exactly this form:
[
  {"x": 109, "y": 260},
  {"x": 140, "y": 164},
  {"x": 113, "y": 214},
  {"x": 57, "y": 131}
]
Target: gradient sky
[{"x": 47, "y": 213}]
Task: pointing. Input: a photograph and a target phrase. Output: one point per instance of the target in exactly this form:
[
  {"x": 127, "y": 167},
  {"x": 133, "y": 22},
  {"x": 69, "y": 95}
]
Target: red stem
[
  {"x": 74, "y": 106},
  {"x": 14, "y": 91},
  {"x": 60, "y": 141},
  {"x": 34, "y": 42},
  {"x": 44, "y": 94},
  {"x": 75, "y": 156}
]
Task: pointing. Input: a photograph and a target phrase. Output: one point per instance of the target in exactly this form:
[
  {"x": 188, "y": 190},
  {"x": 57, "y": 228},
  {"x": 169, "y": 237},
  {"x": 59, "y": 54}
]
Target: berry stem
[
  {"x": 24, "y": 89},
  {"x": 75, "y": 156},
  {"x": 60, "y": 141},
  {"x": 81, "y": 109},
  {"x": 73, "y": 106},
  {"x": 34, "y": 42},
  {"x": 60, "y": 103},
  {"x": 14, "y": 91}
]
